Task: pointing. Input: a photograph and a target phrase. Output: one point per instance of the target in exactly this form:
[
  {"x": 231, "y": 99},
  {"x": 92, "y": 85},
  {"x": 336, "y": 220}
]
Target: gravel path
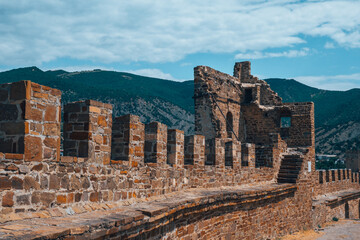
[
  {"x": 345, "y": 229},
  {"x": 341, "y": 230}
]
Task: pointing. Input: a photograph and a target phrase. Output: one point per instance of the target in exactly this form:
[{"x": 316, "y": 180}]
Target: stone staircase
[{"x": 290, "y": 168}]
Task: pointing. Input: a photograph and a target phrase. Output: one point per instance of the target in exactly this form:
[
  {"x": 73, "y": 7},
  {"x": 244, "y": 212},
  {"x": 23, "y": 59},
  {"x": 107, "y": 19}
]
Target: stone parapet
[
  {"x": 175, "y": 148},
  {"x": 156, "y": 143},
  {"x": 30, "y": 120},
  {"x": 128, "y": 140},
  {"x": 87, "y": 130}
]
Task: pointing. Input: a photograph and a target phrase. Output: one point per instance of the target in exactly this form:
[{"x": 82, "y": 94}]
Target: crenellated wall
[
  {"x": 250, "y": 178},
  {"x": 109, "y": 161},
  {"x": 335, "y": 180}
]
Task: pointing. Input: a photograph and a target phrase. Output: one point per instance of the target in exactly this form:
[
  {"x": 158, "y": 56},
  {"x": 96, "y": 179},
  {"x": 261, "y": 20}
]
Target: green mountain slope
[
  {"x": 113, "y": 84},
  {"x": 153, "y": 99},
  {"x": 331, "y": 107}
]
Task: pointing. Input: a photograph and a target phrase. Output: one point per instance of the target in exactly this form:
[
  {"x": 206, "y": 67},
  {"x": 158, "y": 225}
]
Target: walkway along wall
[{"x": 247, "y": 174}]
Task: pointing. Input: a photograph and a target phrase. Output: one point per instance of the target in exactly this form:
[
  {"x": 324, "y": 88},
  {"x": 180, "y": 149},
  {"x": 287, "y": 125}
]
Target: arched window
[{"x": 229, "y": 124}]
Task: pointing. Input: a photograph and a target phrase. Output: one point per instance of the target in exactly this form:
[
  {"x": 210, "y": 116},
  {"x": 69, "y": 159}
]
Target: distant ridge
[{"x": 337, "y": 117}]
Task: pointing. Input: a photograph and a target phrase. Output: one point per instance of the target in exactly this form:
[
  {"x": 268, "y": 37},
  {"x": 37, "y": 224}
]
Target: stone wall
[
  {"x": 217, "y": 104},
  {"x": 242, "y": 175},
  {"x": 335, "y": 180}
]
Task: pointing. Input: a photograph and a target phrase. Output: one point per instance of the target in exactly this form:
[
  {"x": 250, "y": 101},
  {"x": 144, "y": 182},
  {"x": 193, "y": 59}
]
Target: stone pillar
[
  {"x": 248, "y": 155},
  {"x": 336, "y": 175},
  {"x": 233, "y": 154},
  {"x": 343, "y": 174},
  {"x": 215, "y": 152},
  {"x": 195, "y": 151},
  {"x": 339, "y": 174},
  {"x": 155, "y": 143},
  {"x": 175, "y": 148},
  {"x": 327, "y": 176},
  {"x": 322, "y": 179},
  {"x": 87, "y": 130},
  {"x": 30, "y": 120},
  {"x": 242, "y": 70},
  {"x": 128, "y": 140}
]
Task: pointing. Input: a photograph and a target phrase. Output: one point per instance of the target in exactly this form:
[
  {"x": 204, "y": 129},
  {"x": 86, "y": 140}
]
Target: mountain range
[{"x": 337, "y": 118}]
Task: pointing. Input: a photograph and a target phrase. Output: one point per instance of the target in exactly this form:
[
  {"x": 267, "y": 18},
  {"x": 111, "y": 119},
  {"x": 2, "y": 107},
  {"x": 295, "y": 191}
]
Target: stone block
[
  {"x": 8, "y": 199},
  {"x": 9, "y": 112},
  {"x": 30, "y": 183},
  {"x": 5, "y": 183},
  {"x": 17, "y": 183},
  {"x": 33, "y": 149},
  {"x": 20, "y": 91}
]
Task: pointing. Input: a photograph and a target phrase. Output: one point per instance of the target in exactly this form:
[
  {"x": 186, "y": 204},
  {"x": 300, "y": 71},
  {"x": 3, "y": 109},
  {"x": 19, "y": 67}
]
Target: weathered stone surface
[
  {"x": 32, "y": 113},
  {"x": 5, "y": 183},
  {"x": 51, "y": 129},
  {"x": 51, "y": 114},
  {"x": 4, "y": 95},
  {"x": 33, "y": 149},
  {"x": 94, "y": 197},
  {"x": 12, "y": 128},
  {"x": 17, "y": 183},
  {"x": 51, "y": 142},
  {"x": 23, "y": 199},
  {"x": 54, "y": 182},
  {"x": 61, "y": 199},
  {"x": 8, "y": 199},
  {"x": 31, "y": 183}
]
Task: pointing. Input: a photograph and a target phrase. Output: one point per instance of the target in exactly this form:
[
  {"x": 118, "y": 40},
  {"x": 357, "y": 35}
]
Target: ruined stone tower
[
  {"x": 233, "y": 107},
  {"x": 245, "y": 109}
]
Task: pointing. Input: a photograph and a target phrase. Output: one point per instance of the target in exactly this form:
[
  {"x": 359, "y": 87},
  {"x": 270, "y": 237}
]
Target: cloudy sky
[{"x": 315, "y": 42}]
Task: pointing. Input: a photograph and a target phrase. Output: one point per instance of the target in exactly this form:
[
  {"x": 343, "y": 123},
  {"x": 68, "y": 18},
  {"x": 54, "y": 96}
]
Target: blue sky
[{"x": 314, "y": 42}]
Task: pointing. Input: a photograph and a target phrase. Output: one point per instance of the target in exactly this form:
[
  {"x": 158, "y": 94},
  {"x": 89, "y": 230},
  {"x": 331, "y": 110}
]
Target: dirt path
[{"x": 341, "y": 230}]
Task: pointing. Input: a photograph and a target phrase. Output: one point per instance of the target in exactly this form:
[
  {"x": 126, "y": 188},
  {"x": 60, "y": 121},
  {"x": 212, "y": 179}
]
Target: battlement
[
  {"x": 104, "y": 160},
  {"x": 334, "y": 180},
  {"x": 245, "y": 137}
]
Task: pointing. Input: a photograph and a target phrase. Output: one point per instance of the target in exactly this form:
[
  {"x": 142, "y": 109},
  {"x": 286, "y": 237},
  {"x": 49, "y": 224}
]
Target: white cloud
[
  {"x": 36, "y": 32},
  {"x": 151, "y": 72},
  {"x": 336, "y": 82},
  {"x": 258, "y": 55},
  {"x": 329, "y": 45}
]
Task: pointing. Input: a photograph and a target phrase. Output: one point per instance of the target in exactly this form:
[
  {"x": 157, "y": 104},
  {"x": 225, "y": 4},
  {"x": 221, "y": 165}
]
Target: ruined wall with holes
[
  {"x": 240, "y": 143},
  {"x": 245, "y": 109},
  {"x": 109, "y": 160}
]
